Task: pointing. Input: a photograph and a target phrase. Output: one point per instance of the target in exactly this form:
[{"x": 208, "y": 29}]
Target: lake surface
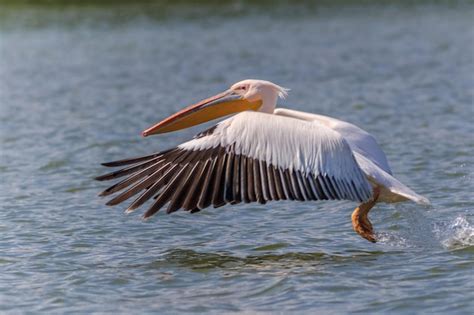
[{"x": 79, "y": 84}]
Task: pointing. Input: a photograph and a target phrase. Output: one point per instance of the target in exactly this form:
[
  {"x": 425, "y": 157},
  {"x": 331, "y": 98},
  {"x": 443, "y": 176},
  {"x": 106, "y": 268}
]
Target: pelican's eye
[{"x": 241, "y": 88}]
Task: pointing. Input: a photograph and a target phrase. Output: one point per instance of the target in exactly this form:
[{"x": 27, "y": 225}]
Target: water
[{"x": 78, "y": 84}]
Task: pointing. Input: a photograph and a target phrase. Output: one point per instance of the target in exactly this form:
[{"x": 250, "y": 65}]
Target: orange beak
[{"x": 220, "y": 105}]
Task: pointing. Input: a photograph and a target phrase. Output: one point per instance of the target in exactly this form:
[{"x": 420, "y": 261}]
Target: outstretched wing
[{"x": 250, "y": 157}]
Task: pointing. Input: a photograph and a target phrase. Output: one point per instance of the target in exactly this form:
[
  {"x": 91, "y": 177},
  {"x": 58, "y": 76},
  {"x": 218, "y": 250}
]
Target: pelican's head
[{"x": 256, "y": 95}]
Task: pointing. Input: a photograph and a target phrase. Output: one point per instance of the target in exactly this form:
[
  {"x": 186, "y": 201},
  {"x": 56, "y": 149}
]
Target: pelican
[{"x": 260, "y": 154}]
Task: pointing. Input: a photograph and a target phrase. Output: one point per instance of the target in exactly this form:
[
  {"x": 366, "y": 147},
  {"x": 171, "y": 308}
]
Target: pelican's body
[{"x": 261, "y": 155}]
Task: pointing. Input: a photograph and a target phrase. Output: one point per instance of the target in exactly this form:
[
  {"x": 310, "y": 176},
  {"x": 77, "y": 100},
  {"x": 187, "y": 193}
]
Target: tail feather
[
  {"x": 392, "y": 189},
  {"x": 406, "y": 192}
]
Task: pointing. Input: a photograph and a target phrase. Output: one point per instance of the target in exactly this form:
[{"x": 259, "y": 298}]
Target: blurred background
[{"x": 79, "y": 81}]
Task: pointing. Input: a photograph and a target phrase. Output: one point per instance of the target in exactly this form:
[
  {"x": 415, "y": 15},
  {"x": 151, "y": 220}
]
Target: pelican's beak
[{"x": 220, "y": 105}]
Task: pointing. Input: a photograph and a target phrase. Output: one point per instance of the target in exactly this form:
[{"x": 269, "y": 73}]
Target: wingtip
[
  {"x": 109, "y": 164},
  {"x": 112, "y": 202},
  {"x": 105, "y": 193},
  {"x": 100, "y": 178}
]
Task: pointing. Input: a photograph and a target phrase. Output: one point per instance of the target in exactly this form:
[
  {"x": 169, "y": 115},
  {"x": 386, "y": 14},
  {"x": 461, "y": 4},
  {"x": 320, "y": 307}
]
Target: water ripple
[{"x": 78, "y": 84}]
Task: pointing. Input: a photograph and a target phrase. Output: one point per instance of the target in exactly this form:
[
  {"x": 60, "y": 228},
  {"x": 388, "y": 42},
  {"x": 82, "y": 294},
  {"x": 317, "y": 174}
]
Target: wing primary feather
[
  {"x": 341, "y": 188},
  {"x": 294, "y": 185},
  {"x": 359, "y": 195},
  {"x": 143, "y": 184},
  {"x": 146, "y": 182},
  {"x": 250, "y": 181},
  {"x": 357, "y": 192},
  {"x": 194, "y": 210},
  {"x": 264, "y": 180},
  {"x": 134, "y": 160},
  {"x": 183, "y": 157},
  {"x": 131, "y": 179},
  {"x": 169, "y": 156},
  {"x": 151, "y": 190},
  {"x": 181, "y": 192},
  {"x": 191, "y": 200},
  {"x": 271, "y": 183},
  {"x": 206, "y": 191},
  {"x": 166, "y": 194},
  {"x": 350, "y": 190},
  {"x": 282, "y": 194},
  {"x": 286, "y": 181},
  {"x": 322, "y": 186},
  {"x": 229, "y": 173},
  {"x": 303, "y": 187},
  {"x": 219, "y": 183},
  {"x": 244, "y": 179},
  {"x": 347, "y": 191},
  {"x": 177, "y": 201},
  {"x": 351, "y": 194},
  {"x": 340, "y": 193},
  {"x": 326, "y": 190},
  {"x": 329, "y": 184},
  {"x": 127, "y": 170},
  {"x": 258, "y": 182},
  {"x": 317, "y": 193},
  {"x": 307, "y": 185},
  {"x": 236, "y": 180},
  {"x": 325, "y": 185},
  {"x": 366, "y": 192}
]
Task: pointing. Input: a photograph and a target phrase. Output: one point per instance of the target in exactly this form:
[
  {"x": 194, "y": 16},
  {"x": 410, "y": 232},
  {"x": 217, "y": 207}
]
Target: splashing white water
[
  {"x": 458, "y": 233},
  {"x": 392, "y": 239},
  {"x": 422, "y": 231}
]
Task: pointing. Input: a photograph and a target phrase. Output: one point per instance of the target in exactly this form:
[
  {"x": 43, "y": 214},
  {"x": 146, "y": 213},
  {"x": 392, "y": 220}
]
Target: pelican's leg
[{"x": 360, "y": 220}]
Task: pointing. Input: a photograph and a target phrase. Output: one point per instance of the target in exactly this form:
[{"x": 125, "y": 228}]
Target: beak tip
[{"x": 144, "y": 134}]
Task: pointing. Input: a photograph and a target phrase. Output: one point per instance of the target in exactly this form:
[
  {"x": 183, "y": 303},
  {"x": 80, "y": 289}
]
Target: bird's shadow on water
[{"x": 201, "y": 261}]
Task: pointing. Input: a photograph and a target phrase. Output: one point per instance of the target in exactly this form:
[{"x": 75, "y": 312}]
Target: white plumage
[{"x": 368, "y": 155}]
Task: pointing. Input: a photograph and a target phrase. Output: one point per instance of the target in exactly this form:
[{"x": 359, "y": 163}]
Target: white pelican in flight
[{"x": 263, "y": 153}]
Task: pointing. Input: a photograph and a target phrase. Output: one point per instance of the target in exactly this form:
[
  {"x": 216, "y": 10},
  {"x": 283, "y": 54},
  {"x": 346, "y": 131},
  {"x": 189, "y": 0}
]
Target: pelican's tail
[
  {"x": 392, "y": 190},
  {"x": 401, "y": 190}
]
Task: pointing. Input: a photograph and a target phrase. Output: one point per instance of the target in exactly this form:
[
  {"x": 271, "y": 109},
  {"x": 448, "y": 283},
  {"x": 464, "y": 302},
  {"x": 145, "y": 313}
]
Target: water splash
[
  {"x": 422, "y": 231},
  {"x": 455, "y": 234},
  {"x": 416, "y": 232},
  {"x": 392, "y": 239}
]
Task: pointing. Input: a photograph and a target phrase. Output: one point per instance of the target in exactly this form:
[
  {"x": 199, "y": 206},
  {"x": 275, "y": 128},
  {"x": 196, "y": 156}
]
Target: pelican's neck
[{"x": 269, "y": 102}]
